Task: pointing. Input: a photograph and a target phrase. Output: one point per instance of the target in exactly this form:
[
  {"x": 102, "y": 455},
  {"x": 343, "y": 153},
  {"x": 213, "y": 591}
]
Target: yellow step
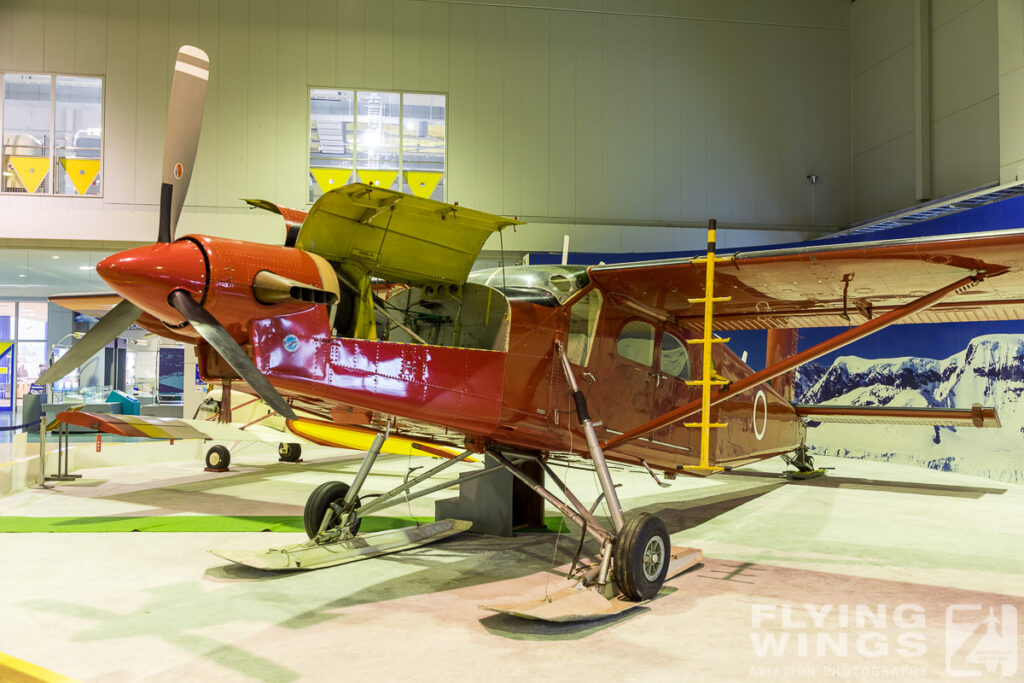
[{"x": 713, "y": 299}]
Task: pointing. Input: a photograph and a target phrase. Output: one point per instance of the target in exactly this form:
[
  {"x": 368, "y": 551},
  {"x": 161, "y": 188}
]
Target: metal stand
[
  {"x": 41, "y": 478},
  {"x": 63, "y": 455}
]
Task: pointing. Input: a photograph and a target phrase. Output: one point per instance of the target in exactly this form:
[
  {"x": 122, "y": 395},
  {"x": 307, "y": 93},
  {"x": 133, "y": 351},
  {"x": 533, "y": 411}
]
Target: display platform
[{"x": 875, "y": 551}]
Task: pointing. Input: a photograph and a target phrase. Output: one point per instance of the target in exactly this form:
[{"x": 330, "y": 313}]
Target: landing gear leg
[
  {"x": 636, "y": 555},
  {"x": 804, "y": 464},
  {"x": 337, "y": 515}
]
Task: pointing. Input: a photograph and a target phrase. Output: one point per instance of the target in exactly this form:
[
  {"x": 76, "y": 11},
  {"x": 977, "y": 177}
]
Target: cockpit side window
[
  {"x": 582, "y": 324},
  {"x": 636, "y": 342},
  {"x": 674, "y": 358}
]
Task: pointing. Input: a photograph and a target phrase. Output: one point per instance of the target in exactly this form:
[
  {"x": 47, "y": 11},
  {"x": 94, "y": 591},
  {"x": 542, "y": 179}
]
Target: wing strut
[{"x": 849, "y": 336}]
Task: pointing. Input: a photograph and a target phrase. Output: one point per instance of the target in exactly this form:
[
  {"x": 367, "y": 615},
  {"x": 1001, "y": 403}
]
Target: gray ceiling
[{"x": 39, "y": 273}]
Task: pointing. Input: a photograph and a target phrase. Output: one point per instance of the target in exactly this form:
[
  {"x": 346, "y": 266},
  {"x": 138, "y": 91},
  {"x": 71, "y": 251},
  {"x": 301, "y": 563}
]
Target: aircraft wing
[
  {"x": 317, "y": 431},
  {"x": 397, "y": 237},
  {"x": 96, "y": 304},
  {"x": 832, "y": 285},
  {"x": 157, "y": 427}
]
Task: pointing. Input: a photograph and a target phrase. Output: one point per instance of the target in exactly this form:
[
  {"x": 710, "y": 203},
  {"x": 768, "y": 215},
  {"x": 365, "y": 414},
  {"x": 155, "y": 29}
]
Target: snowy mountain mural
[{"x": 990, "y": 371}]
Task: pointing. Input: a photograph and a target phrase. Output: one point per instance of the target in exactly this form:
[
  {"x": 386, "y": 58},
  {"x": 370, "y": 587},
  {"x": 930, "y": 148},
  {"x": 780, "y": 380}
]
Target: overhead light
[
  {"x": 85, "y": 267},
  {"x": 55, "y": 256},
  {"x": 22, "y": 275}
]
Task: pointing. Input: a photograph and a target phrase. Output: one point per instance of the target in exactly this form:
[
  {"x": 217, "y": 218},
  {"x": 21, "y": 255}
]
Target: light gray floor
[{"x": 901, "y": 543}]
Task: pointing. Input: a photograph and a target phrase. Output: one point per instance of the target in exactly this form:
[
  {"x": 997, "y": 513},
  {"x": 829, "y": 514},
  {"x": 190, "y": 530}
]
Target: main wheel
[
  {"x": 321, "y": 499},
  {"x": 641, "y": 556},
  {"x": 289, "y": 452},
  {"x": 218, "y": 458}
]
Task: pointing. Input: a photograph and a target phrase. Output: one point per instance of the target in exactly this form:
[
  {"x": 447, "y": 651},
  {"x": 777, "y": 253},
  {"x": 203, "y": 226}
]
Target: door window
[
  {"x": 674, "y": 358},
  {"x": 582, "y": 323},
  {"x": 636, "y": 342}
]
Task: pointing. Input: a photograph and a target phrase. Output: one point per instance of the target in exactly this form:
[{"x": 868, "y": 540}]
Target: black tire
[
  {"x": 318, "y": 502},
  {"x": 641, "y": 556},
  {"x": 289, "y": 452},
  {"x": 218, "y": 458}
]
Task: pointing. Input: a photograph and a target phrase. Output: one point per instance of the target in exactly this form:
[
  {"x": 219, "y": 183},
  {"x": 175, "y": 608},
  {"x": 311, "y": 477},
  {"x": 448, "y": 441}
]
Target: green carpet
[
  {"x": 181, "y": 523},
  {"x": 200, "y": 523}
]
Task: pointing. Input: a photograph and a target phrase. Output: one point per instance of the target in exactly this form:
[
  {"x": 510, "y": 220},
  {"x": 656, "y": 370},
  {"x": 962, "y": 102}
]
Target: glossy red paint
[
  {"x": 217, "y": 272},
  {"x": 457, "y": 388},
  {"x": 147, "y": 275}
]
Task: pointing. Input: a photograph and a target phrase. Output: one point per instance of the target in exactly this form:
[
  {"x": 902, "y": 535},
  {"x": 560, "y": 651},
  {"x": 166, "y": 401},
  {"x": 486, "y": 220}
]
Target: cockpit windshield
[{"x": 557, "y": 282}]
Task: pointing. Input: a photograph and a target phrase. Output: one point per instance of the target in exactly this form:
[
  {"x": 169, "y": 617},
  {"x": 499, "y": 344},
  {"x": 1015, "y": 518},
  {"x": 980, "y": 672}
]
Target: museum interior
[{"x": 627, "y": 339}]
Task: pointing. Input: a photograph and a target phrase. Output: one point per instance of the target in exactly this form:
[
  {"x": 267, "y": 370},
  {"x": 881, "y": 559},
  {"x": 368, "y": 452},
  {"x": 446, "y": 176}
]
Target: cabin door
[
  {"x": 674, "y": 366},
  {"x": 623, "y": 393}
]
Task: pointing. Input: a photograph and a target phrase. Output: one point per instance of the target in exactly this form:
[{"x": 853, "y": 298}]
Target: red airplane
[{"x": 607, "y": 363}]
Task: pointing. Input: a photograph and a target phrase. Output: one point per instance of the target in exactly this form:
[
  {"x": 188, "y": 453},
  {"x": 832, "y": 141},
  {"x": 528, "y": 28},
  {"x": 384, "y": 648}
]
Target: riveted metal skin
[{"x": 216, "y": 272}]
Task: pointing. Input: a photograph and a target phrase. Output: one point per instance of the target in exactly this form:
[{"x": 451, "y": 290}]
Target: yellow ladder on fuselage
[{"x": 708, "y": 376}]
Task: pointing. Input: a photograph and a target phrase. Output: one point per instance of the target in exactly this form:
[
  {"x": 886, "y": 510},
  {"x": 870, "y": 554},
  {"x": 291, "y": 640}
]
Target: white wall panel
[
  {"x": 965, "y": 59},
  {"x": 90, "y": 36},
  {"x": 666, "y": 185},
  {"x": 261, "y": 100},
  {"x": 536, "y": 58},
  {"x": 154, "y": 62},
  {"x": 28, "y": 35},
  {"x": 883, "y": 102},
  {"x": 883, "y": 177},
  {"x": 962, "y": 90},
  {"x": 350, "y": 47},
  {"x": 512, "y": 109},
  {"x": 965, "y": 96},
  {"x": 119, "y": 110},
  {"x": 965, "y": 148},
  {"x": 59, "y": 36},
  {"x": 608, "y": 111},
  {"x": 6, "y": 33},
  {"x": 489, "y": 127},
  {"x": 561, "y": 115}
]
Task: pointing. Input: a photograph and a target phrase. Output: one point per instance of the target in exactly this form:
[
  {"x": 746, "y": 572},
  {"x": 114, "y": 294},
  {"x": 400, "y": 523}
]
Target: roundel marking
[
  {"x": 178, "y": 170},
  {"x": 291, "y": 343},
  {"x": 763, "y": 400}
]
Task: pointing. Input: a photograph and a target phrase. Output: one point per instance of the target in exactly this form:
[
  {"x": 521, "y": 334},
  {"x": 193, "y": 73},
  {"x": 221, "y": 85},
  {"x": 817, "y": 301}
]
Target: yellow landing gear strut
[{"x": 709, "y": 377}]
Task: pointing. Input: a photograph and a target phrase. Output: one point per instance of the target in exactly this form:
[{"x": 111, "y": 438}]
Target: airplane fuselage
[{"x": 630, "y": 366}]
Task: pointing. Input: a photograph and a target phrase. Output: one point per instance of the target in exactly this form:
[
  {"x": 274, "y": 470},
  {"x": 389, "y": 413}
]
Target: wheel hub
[{"x": 654, "y": 558}]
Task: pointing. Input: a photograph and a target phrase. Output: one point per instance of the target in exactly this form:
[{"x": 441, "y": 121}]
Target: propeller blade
[
  {"x": 210, "y": 329},
  {"x": 184, "y": 120},
  {"x": 119, "y": 319}
]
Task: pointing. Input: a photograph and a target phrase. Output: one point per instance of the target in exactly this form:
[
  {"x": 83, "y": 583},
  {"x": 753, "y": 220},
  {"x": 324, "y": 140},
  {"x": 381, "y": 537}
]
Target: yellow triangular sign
[
  {"x": 31, "y": 170},
  {"x": 383, "y": 179},
  {"x": 331, "y": 178},
  {"x": 423, "y": 183},
  {"x": 82, "y": 172}
]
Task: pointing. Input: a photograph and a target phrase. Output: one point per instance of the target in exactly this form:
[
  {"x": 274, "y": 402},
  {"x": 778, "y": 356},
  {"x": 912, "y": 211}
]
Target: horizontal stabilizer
[{"x": 976, "y": 416}]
